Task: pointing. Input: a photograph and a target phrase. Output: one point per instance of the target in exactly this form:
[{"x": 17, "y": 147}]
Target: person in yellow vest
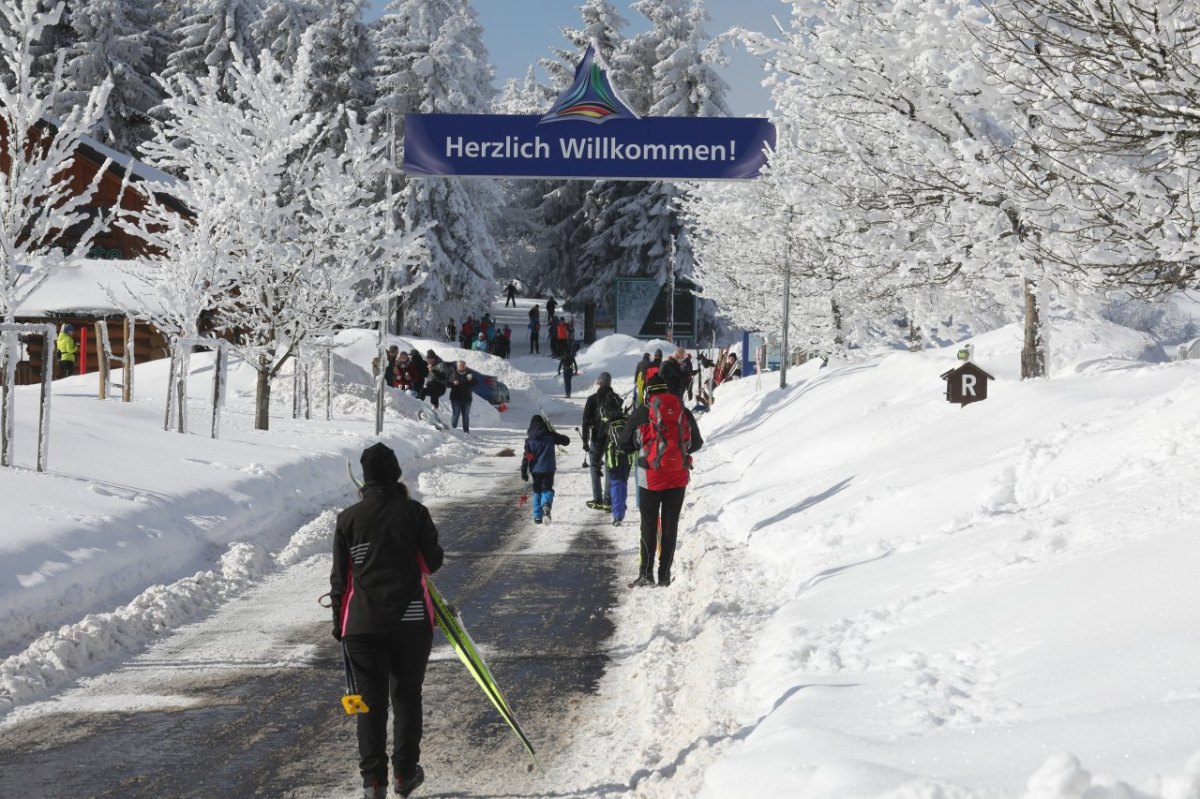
[{"x": 67, "y": 350}]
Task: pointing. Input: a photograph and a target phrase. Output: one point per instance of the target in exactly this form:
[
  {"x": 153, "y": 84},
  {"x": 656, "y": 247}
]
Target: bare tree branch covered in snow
[
  {"x": 1113, "y": 97},
  {"x": 285, "y": 239}
]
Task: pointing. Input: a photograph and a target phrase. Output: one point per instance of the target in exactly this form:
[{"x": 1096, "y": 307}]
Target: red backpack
[{"x": 666, "y": 439}]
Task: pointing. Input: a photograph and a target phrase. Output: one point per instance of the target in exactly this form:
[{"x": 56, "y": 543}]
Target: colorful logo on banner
[{"x": 590, "y": 98}]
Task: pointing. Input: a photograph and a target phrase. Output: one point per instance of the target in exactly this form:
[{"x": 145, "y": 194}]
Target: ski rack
[{"x": 8, "y": 403}]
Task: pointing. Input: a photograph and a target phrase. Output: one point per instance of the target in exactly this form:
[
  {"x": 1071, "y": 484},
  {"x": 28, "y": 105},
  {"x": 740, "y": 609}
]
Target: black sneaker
[
  {"x": 406, "y": 785},
  {"x": 594, "y": 505},
  {"x": 376, "y": 790},
  {"x": 664, "y": 579},
  {"x": 537, "y": 520},
  {"x": 546, "y": 513},
  {"x": 616, "y": 522},
  {"x": 607, "y": 508},
  {"x": 643, "y": 581}
]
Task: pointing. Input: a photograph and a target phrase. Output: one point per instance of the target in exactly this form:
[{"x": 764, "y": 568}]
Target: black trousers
[
  {"x": 653, "y": 505},
  {"x": 390, "y": 665}
]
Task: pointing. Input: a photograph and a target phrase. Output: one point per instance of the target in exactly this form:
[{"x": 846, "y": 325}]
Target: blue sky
[{"x": 518, "y": 32}]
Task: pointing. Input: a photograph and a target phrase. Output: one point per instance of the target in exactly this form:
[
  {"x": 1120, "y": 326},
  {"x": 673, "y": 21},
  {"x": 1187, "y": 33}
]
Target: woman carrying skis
[
  {"x": 539, "y": 460},
  {"x": 380, "y": 547}
]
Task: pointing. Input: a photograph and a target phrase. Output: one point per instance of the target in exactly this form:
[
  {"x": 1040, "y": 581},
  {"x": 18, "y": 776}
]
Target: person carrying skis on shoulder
[
  {"x": 595, "y": 438},
  {"x": 639, "y": 378},
  {"x": 664, "y": 434},
  {"x": 539, "y": 461},
  {"x": 617, "y": 462},
  {"x": 381, "y": 547}
]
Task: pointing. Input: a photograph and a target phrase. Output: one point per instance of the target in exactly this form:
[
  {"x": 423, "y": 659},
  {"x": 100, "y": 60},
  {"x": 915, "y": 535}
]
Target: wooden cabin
[{"x": 77, "y": 295}]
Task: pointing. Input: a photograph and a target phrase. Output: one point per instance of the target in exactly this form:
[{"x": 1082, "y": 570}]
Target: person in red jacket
[
  {"x": 381, "y": 547},
  {"x": 664, "y": 434}
]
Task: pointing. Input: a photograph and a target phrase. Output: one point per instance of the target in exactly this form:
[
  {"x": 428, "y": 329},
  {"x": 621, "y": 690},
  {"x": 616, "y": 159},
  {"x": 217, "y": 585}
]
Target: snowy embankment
[
  {"x": 882, "y": 593},
  {"x": 134, "y": 531},
  {"x": 878, "y": 593}
]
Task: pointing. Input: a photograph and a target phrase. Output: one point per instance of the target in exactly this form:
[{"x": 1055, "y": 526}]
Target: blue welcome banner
[{"x": 646, "y": 148}]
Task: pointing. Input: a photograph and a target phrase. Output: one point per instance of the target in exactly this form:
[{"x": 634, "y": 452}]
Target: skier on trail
[
  {"x": 664, "y": 433},
  {"x": 510, "y": 295},
  {"x": 595, "y": 439},
  {"x": 539, "y": 461},
  {"x": 381, "y": 545}
]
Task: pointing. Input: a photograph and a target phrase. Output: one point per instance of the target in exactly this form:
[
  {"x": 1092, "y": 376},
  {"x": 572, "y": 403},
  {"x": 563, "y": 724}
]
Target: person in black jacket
[
  {"x": 460, "y": 381},
  {"x": 672, "y": 372},
  {"x": 381, "y": 547},
  {"x": 595, "y": 439}
]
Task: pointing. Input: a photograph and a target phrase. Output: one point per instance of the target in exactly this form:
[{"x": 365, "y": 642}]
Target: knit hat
[
  {"x": 605, "y": 379},
  {"x": 379, "y": 464}
]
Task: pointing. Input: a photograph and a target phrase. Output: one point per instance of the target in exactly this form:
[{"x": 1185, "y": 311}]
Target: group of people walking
[
  {"x": 654, "y": 437},
  {"x": 385, "y": 543},
  {"x": 482, "y": 335}
]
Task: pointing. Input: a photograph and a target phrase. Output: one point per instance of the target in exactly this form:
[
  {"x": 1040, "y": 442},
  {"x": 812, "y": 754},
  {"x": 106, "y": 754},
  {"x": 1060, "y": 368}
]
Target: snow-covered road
[{"x": 245, "y": 702}]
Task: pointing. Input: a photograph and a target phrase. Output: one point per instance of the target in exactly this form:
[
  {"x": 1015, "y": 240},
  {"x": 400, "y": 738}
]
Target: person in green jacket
[{"x": 68, "y": 350}]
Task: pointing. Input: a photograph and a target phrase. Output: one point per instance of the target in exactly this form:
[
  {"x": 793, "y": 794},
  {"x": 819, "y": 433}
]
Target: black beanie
[{"x": 379, "y": 464}]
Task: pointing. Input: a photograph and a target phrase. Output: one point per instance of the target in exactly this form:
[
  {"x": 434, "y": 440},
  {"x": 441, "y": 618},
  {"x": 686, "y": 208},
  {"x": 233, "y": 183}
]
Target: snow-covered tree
[
  {"x": 345, "y": 233},
  {"x": 432, "y": 60},
  {"x": 209, "y": 34},
  {"x": 244, "y": 132},
  {"x": 37, "y": 205},
  {"x": 902, "y": 149},
  {"x": 41, "y": 212},
  {"x": 633, "y": 229},
  {"x": 522, "y": 234},
  {"x": 342, "y": 62},
  {"x": 280, "y": 28},
  {"x": 1112, "y": 92},
  {"x": 119, "y": 41}
]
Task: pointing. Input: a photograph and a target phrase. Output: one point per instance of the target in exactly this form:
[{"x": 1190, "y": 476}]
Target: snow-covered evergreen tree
[
  {"x": 432, "y": 60},
  {"x": 522, "y": 235},
  {"x": 345, "y": 232},
  {"x": 342, "y": 63},
  {"x": 119, "y": 41},
  {"x": 633, "y": 229},
  {"x": 280, "y": 28},
  {"x": 209, "y": 33}
]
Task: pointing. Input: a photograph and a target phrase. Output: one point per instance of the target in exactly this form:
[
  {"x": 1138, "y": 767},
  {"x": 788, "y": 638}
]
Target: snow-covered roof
[
  {"x": 80, "y": 289},
  {"x": 139, "y": 170}
]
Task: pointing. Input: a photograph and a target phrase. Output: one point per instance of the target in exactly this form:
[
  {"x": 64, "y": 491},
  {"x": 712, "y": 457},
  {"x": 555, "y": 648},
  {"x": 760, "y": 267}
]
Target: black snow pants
[
  {"x": 390, "y": 664},
  {"x": 668, "y": 503}
]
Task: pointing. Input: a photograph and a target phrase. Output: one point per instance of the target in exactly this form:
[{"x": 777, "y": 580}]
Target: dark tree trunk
[
  {"x": 1033, "y": 353},
  {"x": 262, "y": 401}
]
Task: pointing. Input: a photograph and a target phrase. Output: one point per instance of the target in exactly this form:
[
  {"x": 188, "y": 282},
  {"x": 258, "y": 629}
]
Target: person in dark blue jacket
[{"x": 539, "y": 460}]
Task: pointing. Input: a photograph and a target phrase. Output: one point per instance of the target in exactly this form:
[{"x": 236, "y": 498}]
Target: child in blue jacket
[{"x": 539, "y": 461}]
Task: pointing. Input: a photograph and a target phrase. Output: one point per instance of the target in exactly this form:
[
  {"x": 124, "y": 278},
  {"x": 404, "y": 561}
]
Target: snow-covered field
[{"x": 878, "y": 592}]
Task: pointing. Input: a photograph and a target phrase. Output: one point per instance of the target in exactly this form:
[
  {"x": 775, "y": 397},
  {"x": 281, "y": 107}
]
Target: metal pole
[
  {"x": 671, "y": 290},
  {"x": 787, "y": 302}
]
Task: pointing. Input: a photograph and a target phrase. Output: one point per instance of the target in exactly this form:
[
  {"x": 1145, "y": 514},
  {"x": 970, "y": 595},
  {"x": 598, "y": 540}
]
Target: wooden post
[
  {"x": 127, "y": 362},
  {"x": 82, "y": 349},
  {"x": 101, "y": 361}
]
